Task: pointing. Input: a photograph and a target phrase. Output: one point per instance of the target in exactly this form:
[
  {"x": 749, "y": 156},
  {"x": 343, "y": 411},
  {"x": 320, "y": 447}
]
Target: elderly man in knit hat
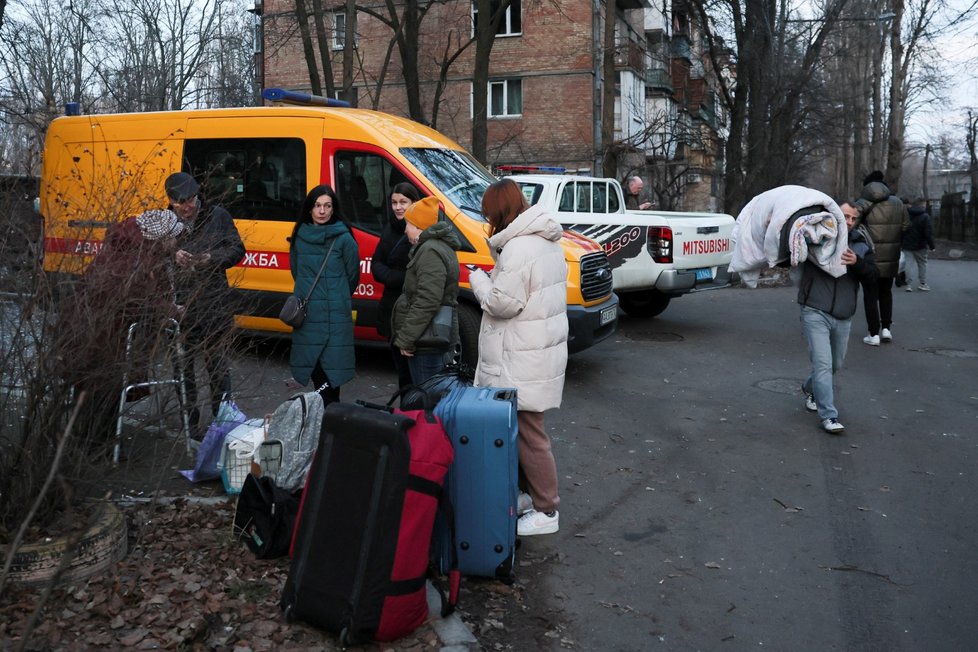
[
  {"x": 207, "y": 248},
  {"x": 431, "y": 281}
]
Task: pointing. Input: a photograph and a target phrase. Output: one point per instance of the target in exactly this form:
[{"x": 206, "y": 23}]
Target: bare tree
[
  {"x": 42, "y": 57},
  {"x": 971, "y": 140},
  {"x": 485, "y": 38},
  {"x": 666, "y": 142},
  {"x": 405, "y": 26},
  {"x": 778, "y": 75}
]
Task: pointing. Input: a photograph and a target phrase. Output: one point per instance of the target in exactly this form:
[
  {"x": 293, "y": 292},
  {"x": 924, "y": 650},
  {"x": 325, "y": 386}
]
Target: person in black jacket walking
[
  {"x": 389, "y": 266},
  {"x": 207, "y": 248},
  {"x": 827, "y": 306},
  {"x": 917, "y": 240}
]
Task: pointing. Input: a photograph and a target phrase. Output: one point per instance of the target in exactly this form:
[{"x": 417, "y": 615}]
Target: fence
[{"x": 957, "y": 219}]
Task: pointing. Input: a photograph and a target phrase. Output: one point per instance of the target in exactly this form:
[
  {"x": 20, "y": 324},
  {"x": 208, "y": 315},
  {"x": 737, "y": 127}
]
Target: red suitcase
[{"x": 374, "y": 473}]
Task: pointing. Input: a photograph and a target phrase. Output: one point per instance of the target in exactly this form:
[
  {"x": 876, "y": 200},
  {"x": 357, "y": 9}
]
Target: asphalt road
[{"x": 704, "y": 509}]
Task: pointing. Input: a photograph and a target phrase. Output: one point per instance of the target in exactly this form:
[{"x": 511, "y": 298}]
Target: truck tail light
[{"x": 659, "y": 244}]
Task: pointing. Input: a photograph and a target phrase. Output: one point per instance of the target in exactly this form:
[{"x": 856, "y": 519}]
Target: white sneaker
[
  {"x": 810, "y": 403},
  {"x": 534, "y": 522},
  {"x": 872, "y": 340},
  {"x": 524, "y": 504},
  {"x": 886, "y": 335},
  {"x": 923, "y": 287},
  {"x": 832, "y": 426},
  {"x": 909, "y": 289}
]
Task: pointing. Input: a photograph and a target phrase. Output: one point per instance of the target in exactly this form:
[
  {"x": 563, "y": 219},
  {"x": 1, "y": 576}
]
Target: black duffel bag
[
  {"x": 426, "y": 395},
  {"x": 264, "y": 517}
]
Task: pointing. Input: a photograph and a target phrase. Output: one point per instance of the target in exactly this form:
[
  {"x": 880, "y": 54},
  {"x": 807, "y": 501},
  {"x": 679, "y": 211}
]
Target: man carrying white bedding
[{"x": 827, "y": 306}]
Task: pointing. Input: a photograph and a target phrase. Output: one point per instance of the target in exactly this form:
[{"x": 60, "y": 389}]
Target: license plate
[
  {"x": 704, "y": 274},
  {"x": 608, "y": 315}
]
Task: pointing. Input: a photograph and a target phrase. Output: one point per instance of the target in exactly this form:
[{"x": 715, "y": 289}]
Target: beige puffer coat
[{"x": 523, "y": 335}]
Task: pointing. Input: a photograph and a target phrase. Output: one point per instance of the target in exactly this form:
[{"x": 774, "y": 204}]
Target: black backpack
[
  {"x": 265, "y": 517},
  {"x": 426, "y": 395}
]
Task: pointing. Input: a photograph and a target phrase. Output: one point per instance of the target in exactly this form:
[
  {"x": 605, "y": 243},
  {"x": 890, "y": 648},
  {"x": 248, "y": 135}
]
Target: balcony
[
  {"x": 659, "y": 79},
  {"x": 681, "y": 47},
  {"x": 629, "y": 55}
]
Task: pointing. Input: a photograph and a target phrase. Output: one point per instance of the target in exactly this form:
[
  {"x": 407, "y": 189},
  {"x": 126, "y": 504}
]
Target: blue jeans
[
  {"x": 828, "y": 339},
  {"x": 425, "y": 365}
]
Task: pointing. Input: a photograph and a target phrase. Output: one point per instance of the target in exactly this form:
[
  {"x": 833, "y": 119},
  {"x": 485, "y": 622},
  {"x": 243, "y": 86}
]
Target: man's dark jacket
[
  {"x": 837, "y": 296},
  {"x": 920, "y": 234},
  {"x": 204, "y": 289}
]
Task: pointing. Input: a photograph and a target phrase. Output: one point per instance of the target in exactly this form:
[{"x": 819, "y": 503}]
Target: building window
[
  {"x": 510, "y": 25},
  {"x": 505, "y": 98},
  {"x": 339, "y": 31}
]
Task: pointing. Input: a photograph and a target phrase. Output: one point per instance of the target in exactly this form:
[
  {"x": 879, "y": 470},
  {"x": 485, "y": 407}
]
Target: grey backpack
[{"x": 296, "y": 424}]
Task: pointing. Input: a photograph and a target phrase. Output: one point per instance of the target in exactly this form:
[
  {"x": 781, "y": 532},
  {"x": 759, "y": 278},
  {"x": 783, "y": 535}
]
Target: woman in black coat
[{"x": 389, "y": 264}]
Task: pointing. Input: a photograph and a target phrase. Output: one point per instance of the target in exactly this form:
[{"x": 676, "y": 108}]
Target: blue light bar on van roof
[
  {"x": 294, "y": 97},
  {"x": 530, "y": 169}
]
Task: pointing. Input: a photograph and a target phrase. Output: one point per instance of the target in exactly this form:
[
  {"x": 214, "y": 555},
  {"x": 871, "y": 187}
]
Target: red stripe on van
[{"x": 72, "y": 246}]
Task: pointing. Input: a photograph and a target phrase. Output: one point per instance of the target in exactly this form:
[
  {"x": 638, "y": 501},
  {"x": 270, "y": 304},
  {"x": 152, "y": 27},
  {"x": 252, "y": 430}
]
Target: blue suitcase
[{"x": 481, "y": 482}]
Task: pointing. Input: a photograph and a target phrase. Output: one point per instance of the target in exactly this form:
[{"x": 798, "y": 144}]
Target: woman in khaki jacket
[{"x": 523, "y": 336}]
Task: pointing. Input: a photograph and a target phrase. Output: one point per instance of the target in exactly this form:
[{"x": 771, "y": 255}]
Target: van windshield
[{"x": 459, "y": 176}]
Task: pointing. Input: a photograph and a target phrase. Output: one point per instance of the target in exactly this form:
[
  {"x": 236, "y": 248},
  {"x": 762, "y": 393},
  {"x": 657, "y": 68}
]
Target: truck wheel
[
  {"x": 643, "y": 304},
  {"x": 469, "y": 320}
]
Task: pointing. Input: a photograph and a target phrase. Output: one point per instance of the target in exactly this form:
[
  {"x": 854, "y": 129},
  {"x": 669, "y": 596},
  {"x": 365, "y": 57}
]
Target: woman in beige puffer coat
[{"x": 523, "y": 336}]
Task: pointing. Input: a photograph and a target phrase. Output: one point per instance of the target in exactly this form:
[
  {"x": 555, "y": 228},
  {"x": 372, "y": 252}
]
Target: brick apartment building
[{"x": 544, "y": 88}]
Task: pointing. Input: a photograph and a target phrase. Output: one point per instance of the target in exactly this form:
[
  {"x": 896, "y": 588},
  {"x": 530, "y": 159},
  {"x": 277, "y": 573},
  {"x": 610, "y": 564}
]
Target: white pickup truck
[{"x": 654, "y": 255}]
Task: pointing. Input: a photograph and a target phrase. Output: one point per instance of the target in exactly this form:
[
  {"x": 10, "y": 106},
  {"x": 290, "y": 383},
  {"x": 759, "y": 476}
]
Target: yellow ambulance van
[{"x": 259, "y": 163}]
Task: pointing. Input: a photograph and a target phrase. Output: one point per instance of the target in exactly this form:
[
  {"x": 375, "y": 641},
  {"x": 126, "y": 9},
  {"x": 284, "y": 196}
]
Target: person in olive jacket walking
[
  {"x": 523, "y": 336},
  {"x": 389, "y": 266},
  {"x": 886, "y": 219},
  {"x": 208, "y": 246},
  {"x": 431, "y": 281},
  {"x": 322, "y": 348},
  {"x": 917, "y": 240}
]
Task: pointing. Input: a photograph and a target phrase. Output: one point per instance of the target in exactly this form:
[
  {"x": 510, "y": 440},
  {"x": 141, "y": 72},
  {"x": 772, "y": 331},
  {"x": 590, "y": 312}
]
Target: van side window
[
  {"x": 363, "y": 182},
  {"x": 254, "y": 178}
]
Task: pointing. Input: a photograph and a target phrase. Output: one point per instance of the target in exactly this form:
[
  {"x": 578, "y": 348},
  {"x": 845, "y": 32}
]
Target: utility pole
[{"x": 927, "y": 149}]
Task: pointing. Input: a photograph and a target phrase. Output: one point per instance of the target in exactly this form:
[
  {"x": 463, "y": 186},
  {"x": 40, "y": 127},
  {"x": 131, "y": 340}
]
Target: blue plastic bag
[{"x": 207, "y": 467}]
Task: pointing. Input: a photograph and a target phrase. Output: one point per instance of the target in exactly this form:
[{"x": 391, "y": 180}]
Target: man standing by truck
[
  {"x": 210, "y": 245},
  {"x": 634, "y": 187}
]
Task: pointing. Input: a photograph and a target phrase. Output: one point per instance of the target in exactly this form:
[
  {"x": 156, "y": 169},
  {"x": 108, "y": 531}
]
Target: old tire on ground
[
  {"x": 103, "y": 544},
  {"x": 647, "y": 303},
  {"x": 469, "y": 320}
]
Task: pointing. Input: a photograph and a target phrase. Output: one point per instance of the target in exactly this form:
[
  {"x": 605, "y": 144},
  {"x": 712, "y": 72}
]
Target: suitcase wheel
[{"x": 505, "y": 572}]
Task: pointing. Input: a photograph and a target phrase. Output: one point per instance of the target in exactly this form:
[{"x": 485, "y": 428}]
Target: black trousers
[
  {"x": 212, "y": 346},
  {"x": 878, "y": 303},
  {"x": 323, "y": 387}
]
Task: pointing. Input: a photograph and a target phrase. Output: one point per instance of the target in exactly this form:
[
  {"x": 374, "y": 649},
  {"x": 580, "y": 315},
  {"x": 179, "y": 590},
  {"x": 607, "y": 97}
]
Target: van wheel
[
  {"x": 648, "y": 303},
  {"x": 469, "y": 319}
]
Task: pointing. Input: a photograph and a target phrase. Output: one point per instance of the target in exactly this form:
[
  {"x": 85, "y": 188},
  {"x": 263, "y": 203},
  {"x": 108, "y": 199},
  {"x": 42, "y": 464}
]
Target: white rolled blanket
[{"x": 820, "y": 237}]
